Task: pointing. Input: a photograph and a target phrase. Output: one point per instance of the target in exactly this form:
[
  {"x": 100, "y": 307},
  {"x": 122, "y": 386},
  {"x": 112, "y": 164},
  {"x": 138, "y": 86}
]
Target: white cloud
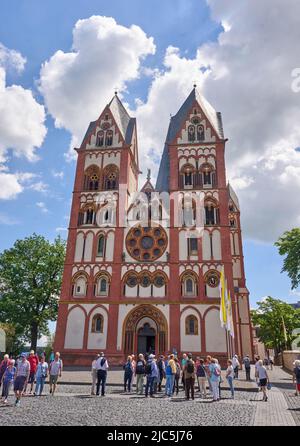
[
  {"x": 42, "y": 206},
  {"x": 246, "y": 75},
  {"x": 22, "y": 128},
  {"x": 57, "y": 174},
  {"x": 61, "y": 229},
  {"x": 39, "y": 186},
  {"x": 77, "y": 85}
]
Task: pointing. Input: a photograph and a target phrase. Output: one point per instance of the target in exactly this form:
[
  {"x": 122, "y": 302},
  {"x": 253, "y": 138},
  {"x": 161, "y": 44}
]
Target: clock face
[
  {"x": 146, "y": 244},
  {"x": 212, "y": 279},
  {"x": 105, "y": 125}
]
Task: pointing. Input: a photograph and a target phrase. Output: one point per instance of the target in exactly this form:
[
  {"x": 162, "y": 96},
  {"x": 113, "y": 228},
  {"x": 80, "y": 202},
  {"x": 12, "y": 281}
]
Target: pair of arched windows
[
  {"x": 196, "y": 133},
  {"x": 212, "y": 213},
  {"x": 104, "y": 138},
  {"x": 101, "y": 286},
  {"x": 192, "y": 178},
  {"x": 87, "y": 216},
  {"x": 109, "y": 181}
]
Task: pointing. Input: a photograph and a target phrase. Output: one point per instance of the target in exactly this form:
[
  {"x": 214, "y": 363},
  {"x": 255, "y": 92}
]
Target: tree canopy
[
  {"x": 289, "y": 245},
  {"x": 276, "y": 321},
  {"x": 30, "y": 281}
]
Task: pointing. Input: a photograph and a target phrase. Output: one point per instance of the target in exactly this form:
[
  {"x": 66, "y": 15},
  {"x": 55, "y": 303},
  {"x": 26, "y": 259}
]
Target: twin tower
[{"x": 142, "y": 271}]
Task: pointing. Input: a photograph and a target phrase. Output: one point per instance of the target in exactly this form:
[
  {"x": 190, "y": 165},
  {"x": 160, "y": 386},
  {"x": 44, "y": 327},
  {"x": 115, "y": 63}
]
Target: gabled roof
[
  {"x": 214, "y": 117},
  {"x": 125, "y": 123},
  {"x": 176, "y": 122}
]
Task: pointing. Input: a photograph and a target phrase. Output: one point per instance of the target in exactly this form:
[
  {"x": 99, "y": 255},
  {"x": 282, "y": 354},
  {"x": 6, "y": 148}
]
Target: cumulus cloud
[
  {"x": 247, "y": 75},
  {"x": 77, "y": 85},
  {"x": 42, "y": 206},
  {"x": 22, "y": 128}
]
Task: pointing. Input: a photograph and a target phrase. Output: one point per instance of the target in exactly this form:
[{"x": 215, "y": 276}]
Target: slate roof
[
  {"x": 124, "y": 122},
  {"x": 214, "y": 117},
  {"x": 233, "y": 196}
]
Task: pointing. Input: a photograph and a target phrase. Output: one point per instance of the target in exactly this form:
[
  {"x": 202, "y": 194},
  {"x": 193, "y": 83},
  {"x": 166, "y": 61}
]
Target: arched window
[
  {"x": 208, "y": 175},
  {"x": 111, "y": 177},
  {"x": 102, "y": 285},
  {"x": 100, "y": 138},
  {"x": 200, "y": 133},
  {"x": 89, "y": 216},
  {"x": 212, "y": 216},
  {"x": 191, "y": 133},
  {"x": 187, "y": 176},
  {"x": 79, "y": 286},
  {"x": 191, "y": 325},
  {"x": 189, "y": 285},
  {"x": 92, "y": 178},
  {"x": 101, "y": 246},
  {"x": 109, "y": 138},
  {"x": 97, "y": 323}
]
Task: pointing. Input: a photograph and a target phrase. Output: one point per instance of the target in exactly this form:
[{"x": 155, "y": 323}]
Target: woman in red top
[{"x": 33, "y": 361}]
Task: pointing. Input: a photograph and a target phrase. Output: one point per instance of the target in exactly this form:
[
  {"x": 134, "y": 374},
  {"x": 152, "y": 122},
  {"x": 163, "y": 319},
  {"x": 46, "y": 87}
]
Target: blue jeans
[
  {"x": 149, "y": 385},
  {"x": 230, "y": 382},
  {"x": 170, "y": 384},
  {"x": 40, "y": 381},
  {"x": 127, "y": 381}
]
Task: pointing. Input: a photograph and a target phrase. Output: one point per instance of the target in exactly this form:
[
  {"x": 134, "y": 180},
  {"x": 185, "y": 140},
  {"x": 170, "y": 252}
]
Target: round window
[
  {"x": 131, "y": 281},
  {"x": 146, "y": 244},
  {"x": 159, "y": 281},
  {"x": 145, "y": 281}
]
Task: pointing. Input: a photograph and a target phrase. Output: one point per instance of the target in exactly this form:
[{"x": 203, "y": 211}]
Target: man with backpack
[
  {"x": 189, "y": 377},
  {"x": 247, "y": 364},
  {"x": 161, "y": 370},
  {"x": 101, "y": 367},
  {"x": 151, "y": 373},
  {"x": 140, "y": 373}
]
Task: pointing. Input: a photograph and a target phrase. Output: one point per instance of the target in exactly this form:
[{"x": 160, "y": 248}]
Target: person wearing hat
[
  {"x": 151, "y": 374},
  {"x": 22, "y": 376},
  {"x": 33, "y": 361}
]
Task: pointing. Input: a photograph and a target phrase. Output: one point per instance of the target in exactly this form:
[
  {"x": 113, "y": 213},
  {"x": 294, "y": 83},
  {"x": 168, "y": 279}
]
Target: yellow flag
[
  {"x": 223, "y": 313},
  {"x": 229, "y": 316}
]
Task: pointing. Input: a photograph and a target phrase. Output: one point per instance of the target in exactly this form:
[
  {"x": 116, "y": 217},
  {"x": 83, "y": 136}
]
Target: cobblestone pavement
[{"x": 73, "y": 405}]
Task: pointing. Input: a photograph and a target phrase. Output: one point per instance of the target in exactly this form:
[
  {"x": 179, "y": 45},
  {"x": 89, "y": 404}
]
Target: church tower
[{"x": 142, "y": 269}]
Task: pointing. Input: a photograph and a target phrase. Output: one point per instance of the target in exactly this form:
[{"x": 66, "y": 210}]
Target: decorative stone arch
[{"x": 130, "y": 328}]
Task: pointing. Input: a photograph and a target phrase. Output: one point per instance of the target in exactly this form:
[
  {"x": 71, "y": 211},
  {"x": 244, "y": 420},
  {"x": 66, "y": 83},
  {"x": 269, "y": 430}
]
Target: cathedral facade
[{"x": 142, "y": 268}]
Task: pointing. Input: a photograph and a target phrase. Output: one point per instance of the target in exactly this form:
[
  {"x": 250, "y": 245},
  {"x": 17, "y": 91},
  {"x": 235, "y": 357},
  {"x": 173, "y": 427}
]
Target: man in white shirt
[
  {"x": 94, "y": 374},
  {"x": 101, "y": 367},
  {"x": 55, "y": 372}
]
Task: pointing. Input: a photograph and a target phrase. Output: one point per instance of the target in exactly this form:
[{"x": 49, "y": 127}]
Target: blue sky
[{"x": 37, "y": 30}]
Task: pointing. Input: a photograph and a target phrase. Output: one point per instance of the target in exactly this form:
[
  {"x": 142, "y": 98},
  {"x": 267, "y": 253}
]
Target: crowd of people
[
  {"x": 24, "y": 371},
  {"x": 150, "y": 374}
]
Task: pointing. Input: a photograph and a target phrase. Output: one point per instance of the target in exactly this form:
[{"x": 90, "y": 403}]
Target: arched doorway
[
  {"x": 146, "y": 339},
  {"x": 145, "y": 328}
]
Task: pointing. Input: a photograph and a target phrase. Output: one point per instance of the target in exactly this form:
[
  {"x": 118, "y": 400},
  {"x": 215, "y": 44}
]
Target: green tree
[
  {"x": 30, "y": 281},
  {"x": 276, "y": 321},
  {"x": 289, "y": 245}
]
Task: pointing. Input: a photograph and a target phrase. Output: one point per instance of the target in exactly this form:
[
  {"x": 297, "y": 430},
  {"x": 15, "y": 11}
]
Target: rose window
[{"x": 146, "y": 244}]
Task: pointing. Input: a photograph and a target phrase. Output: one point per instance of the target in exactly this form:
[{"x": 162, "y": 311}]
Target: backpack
[
  {"x": 128, "y": 367},
  {"x": 190, "y": 367},
  {"x": 148, "y": 368},
  {"x": 217, "y": 371},
  {"x": 140, "y": 368},
  {"x": 297, "y": 372}
]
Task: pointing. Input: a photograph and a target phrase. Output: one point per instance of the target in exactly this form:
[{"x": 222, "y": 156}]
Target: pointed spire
[{"x": 148, "y": 174}]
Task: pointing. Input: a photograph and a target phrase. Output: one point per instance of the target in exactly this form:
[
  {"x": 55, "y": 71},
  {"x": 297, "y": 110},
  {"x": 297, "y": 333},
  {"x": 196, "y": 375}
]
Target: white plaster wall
[
  {"x": 206, "y": 254},
  {"x": 236, "y": 242},
  {"x": 88, "y": 247},
  {"x": 243, "y": 309},
  {"x": 159, "y": 291},
  {"x": 123, "y": 311},
  {"x": 212, "y": 292},
  {"x": 214, "y": 333},
  {"x": 75, "y": 329},
  {"x": 216, "y": 242},
  {"x": 111, "y": 158},
  {"x": 109, "y": 253},
  {"x": 189, "y": 343},
  {"x": 131, "y": 291},
  {"x": 93, "y": 160},
  {"x": 97, "y": 341},
  {"x": 145, "y": 291},
  {"x": 79, "y": 248},
  {"x": 183, "y": 254},
  {"x": 236, "y": 268}
]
